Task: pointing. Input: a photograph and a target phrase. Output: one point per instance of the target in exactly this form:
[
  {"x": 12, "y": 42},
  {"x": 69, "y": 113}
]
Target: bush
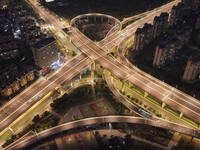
[
  {"x": 159, "y": 115},
  {"x": 36, "y": 119}
]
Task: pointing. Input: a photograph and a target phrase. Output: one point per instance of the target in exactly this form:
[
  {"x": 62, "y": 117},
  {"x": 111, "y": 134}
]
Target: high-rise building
[
  {"x": 192, "y": 70},
  {"x": 165, "y": 51},
  {"x": 45, "y": 52},
  {"x": 138, "y": 39},
  {"x": 147, "y": 30},
  {"x": 12, "y": 83},
  {"x": 142, "y": 36},
  {"x": 160, "y": 24},
  {"x": 177, "y": 13},
  {"x": 193, "y": 4}
]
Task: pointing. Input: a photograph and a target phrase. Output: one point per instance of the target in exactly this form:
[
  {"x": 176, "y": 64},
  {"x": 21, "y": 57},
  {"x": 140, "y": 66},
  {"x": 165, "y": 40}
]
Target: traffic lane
[
  {"x": 121, "y": 98},
  {"x": 97, "y": 120},
  {"x": 43, "y": 88},
  {"x": 183, "y": 109},
  {"x": 93, "y": 46},
  {"x": 173, "y": 126},
  {"x": 185, "y": 103}
]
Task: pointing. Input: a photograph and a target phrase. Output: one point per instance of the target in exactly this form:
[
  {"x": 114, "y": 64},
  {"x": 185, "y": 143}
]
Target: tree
[
  {"x": 128, "y": 141},
  {"x": 36, "y": 119}
]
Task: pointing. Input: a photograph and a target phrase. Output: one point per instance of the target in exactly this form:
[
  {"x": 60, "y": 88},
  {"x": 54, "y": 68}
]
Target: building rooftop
[{"x": 44, "y": 42}]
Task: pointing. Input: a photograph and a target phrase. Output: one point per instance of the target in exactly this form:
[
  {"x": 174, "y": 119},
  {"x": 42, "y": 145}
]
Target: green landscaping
[
  {"x": 137, "y": 91},
  {"x": 154, "y": 134},
  {"x": 103, "y": 91},
  {"x": 40, "y": 123},
  {"x": 190, "y": 121},
  {"x": 97, "y": 75},
  {"x": 76, "y": 97},
  {"x": 86, "y": 74},
  {"x": 172, "y": 111},
  {"x": 153, "y": 101},
  {"x": 116, "y": 77}
]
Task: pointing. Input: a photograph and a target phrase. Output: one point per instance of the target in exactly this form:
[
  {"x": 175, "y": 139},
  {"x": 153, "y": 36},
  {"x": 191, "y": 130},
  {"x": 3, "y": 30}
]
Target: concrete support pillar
[
  {"x": 111, "y": 79},
  {"x": 145, "y": 94},
  {"x": 131, "y": 111},
  {"x": 71, "y": 84},
  {"x": 103, "y": 77},
  {"x": 95, "y": 18},
  {"x": 88, "y": 19},
  {"x": 192, "y": 139},
  {"x": 80, "y": 76},
  {"x": 181, "y": 114},
  {"x": 129, "y": 84},
  {"x": 62, "y": 92},
  {"x": 94, "y": 65},
  {"x": 122, "y": 86},
  {"x": 163, "y": 105},
  {"x": 101, "y": 19}
]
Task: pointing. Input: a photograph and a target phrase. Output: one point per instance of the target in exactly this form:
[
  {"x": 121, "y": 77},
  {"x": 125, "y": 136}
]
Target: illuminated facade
[{"x": 45, "y": 52}]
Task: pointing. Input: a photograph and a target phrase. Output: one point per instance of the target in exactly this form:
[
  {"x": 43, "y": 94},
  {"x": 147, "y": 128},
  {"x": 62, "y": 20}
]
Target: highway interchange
[
  {"x": 97, "y": 52},
  {"x": 175, "y": 99}
]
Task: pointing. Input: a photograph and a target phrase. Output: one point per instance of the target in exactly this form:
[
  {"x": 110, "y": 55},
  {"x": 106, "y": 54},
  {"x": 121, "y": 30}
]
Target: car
[{"x": 121, "y": 34}]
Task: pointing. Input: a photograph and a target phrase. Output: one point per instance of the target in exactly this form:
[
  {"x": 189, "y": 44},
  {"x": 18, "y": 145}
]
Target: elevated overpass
[
  {"x": 25, "y": 143},
  {"x": 180, "y": 101}
]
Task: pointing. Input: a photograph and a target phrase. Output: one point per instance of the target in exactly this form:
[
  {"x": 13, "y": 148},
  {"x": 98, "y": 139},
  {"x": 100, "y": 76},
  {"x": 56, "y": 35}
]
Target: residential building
[
  {"x": 177, "y": 13},
  {"x": 6, "y": 90},
  {"x": 142, "y": 36},
  {"x": 138, "y": 40},
  {"x": 160, "y": 24},
  {"x": 192, "y": 70},
  {"x": 12, "y": 84},
  {"x": 193, "y": 4},
  {"x": 8, "y": 45},
  {"x": 45, "y": 52},
  {"x": 165, "y": 51}
]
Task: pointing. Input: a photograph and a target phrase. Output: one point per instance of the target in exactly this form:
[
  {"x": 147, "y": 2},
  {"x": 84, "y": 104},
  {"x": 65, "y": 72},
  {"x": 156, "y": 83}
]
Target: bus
[{"x": 145, "y": 114}]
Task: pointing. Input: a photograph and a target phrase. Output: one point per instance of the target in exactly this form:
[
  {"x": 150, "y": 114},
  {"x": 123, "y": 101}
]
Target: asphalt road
[
  {"x": 174, "y": 98},
  {"x": 31, "y": 95},
  {"x": 96, "y": 120},
  {"x": 19, "y": 104}
]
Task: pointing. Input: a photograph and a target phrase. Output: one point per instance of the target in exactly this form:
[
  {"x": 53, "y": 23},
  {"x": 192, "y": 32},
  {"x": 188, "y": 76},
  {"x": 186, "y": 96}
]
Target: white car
[{"x": 121, "y": 34}]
